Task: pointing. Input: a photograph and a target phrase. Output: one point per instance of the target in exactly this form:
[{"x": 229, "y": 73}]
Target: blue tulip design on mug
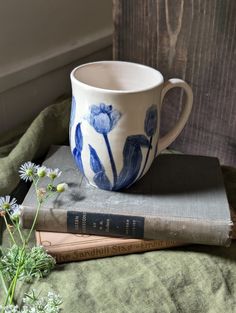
[
  {"x": 150, "y": 126},
  {"x": 115, "y": 120},
  {"x": 104, "y": 118},
  {"x": 78, "y": 147}
]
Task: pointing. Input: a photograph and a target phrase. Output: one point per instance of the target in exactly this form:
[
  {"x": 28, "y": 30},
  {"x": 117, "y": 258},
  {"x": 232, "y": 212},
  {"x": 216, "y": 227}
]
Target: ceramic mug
[{"x": 115, "y": 120}]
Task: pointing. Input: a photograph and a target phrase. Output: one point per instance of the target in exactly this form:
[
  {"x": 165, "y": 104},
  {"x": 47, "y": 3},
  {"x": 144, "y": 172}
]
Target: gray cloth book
[{"x": 182, "y": 197}]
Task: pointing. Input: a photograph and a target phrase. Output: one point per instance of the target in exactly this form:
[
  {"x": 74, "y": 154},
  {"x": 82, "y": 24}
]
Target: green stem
[
  {"x": 34, "y": 222},
  {"x": 37, "y": 211},
  {"x": 19, "y": 231},
  {"x": 8, "y": 294},
  {"x": 51, "y": 193},
  {"x": 3, "y": 283},
  {"x": 38, "y": 207},
  {"x": 11, "y": 291},
  {"x": 16, "y": 225},
  {"x": 35, "y": 182},
  {"x": 16, "y": 275},
  {"x": 8, "y": 228}
]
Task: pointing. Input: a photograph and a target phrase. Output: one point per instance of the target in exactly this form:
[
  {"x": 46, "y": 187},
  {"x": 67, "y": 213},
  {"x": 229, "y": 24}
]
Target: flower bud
[
  {"x": 51, "y": 187},
  {"x": 62, "y": 187},
  {"x": 16, "y": 213},
  {"x": 42, "y": 171}
]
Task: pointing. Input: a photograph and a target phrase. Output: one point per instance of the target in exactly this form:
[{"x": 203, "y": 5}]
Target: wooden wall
[{"x": 194, "y": 40}]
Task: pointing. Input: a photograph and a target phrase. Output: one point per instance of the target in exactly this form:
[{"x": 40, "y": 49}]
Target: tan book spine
[{"x": 128, "y": 246}]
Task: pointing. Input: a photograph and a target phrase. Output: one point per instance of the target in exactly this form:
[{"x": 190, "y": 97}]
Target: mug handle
[{"x": 167, "y": 139}]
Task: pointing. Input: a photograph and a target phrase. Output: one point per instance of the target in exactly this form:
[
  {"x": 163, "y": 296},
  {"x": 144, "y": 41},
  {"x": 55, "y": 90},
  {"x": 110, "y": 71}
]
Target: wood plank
[{"x": 196, "y": 41}]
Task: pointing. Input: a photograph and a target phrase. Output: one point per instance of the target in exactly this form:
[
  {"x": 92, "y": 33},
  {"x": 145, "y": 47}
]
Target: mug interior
[{"x": 117, "y": 76}]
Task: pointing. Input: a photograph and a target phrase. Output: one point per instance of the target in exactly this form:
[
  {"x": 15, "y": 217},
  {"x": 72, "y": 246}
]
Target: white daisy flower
[
  {"x": 7, "y": 204},
  {"x": 53, "y": 173},
  {"x": 28, "y": 171},
  {"x": 16, "y": 212},
  {"x": 41, "y": 171},
  {"x": 62, "y": 187}
]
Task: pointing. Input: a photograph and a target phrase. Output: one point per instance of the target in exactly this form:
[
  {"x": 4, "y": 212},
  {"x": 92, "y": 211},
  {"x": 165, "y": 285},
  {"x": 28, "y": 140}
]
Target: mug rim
[{"x": 116, "y": 91}]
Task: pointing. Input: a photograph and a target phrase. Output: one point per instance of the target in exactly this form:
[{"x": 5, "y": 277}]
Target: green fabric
[
  {"x": 193, "y": 279},
  {"x": 188, "y": 279},
  {"x": 50, "y": 127}
]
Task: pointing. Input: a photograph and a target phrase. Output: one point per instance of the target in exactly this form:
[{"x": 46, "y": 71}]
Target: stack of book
[{"x": 181, "y": 200}]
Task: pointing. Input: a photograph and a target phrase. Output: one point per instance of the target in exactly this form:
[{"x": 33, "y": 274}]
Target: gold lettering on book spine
[{"x": 93, "y": 253}]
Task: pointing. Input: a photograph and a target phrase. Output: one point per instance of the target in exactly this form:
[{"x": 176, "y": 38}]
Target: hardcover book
[
  {"x": 182, "y": 197},
  {"x": 65, "y": 247}
]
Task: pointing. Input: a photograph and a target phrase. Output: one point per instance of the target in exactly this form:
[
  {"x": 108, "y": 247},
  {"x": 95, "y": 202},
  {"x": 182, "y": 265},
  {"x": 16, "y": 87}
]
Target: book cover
[
  {"x": 182, "y": 197},
  {"x": 66, "y": 247}
]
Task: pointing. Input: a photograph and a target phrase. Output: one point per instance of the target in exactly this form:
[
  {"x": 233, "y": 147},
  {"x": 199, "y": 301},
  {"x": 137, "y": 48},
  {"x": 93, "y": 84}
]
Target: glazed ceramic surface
[{"x": 115, "y": 120}]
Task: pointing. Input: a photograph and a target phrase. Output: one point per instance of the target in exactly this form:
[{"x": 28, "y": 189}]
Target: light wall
[{"x": 40, "y": 37}]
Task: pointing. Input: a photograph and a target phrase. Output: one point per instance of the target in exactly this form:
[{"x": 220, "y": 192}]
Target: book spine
[
  {"x": 140, "y": 227},
  {"x": 111, "y": 250}
]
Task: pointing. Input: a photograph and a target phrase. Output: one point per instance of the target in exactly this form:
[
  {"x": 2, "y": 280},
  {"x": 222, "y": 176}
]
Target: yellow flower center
[
  {"x": 29, "y": 172},
  {"x": 52, "y": 175},
  {"x": 6, "y": 206}
]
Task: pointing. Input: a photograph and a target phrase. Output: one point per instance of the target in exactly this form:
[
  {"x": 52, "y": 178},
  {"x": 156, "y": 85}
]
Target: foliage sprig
[{"x": 20, "y": 262}]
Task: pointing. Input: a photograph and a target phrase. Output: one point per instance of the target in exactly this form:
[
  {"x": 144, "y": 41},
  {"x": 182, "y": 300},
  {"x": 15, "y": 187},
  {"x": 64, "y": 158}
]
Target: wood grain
[{"x": 195, "y": 41}]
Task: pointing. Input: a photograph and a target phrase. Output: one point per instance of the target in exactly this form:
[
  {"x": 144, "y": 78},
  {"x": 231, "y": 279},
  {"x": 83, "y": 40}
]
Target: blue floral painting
[
  {"x": 72, "y": 114},
  {"x": 78, "y": 148},
  {"x": 104, "y": 118},
  {"x": 100, "y": 178},
  {"x": 150, "y": 126}
]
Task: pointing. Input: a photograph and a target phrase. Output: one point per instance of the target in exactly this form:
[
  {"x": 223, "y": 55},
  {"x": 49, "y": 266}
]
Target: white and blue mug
[{"x": 115, "y": 120}]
